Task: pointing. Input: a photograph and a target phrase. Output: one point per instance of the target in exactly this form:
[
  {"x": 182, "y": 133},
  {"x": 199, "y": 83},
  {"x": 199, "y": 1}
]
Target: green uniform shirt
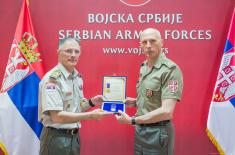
[
  {"x": 59, "y": 90},
  {"x": 164, "y": 81}
]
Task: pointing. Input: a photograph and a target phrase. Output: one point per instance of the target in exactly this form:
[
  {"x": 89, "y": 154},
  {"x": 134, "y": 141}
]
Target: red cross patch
[{"x": 173, "y": 86}]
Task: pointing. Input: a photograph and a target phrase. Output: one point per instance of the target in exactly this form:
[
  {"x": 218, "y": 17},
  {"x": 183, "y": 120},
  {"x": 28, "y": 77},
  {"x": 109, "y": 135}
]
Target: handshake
[{"x": 120, "y": 115}]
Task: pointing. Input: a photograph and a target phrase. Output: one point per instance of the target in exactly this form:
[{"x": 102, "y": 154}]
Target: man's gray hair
[
  {"x": 153, "y": 30},
  {"x": 63, "y": 40}
]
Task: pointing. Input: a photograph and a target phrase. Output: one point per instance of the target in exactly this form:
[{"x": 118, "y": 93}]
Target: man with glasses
[
  {"x": 158, "y": 89},
  {"x": 62, "y": 105}
]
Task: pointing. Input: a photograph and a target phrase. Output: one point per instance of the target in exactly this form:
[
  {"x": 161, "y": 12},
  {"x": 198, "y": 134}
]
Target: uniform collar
[
  {"x": 66, "y": 73},
  {"x": 159, "y": 62}
]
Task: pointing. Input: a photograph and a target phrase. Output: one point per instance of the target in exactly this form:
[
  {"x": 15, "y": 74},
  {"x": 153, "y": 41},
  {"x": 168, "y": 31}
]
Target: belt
[
  {"x": 65, "y": 131},
  {"x": 161, "y": 123}
]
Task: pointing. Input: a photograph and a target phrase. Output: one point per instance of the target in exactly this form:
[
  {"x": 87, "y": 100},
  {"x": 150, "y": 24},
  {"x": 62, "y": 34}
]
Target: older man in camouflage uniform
[{"x": 62, "y": 105}]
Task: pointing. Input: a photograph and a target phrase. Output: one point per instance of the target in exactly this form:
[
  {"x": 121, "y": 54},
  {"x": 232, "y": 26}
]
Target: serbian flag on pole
[
  {"x": 19, "y": 128},
  {"x": 220, "y": 124}
]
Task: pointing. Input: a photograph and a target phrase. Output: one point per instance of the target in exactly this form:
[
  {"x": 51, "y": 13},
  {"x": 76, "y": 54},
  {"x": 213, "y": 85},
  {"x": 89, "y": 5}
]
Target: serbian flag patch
[{"x": 173, "y": 86}]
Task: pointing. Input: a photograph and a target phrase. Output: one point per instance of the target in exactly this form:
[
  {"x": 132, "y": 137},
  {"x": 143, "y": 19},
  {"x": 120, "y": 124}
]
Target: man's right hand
[
  {"x": 123, "y": 118},
  {"x": 98, "y": 114}
]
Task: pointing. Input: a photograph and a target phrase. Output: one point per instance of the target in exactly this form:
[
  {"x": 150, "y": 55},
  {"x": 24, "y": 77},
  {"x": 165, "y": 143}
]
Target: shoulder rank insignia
[
  {"x": 55, "y": 74},
  {"x": 169, "y": 64},
  {"x": 79, "y": 75}
]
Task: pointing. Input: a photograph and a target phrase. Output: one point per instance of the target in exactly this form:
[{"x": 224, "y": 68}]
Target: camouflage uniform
[{"x": 164, "y": 81}]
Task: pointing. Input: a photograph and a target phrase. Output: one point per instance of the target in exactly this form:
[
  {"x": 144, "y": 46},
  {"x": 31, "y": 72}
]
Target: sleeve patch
[
  {"x": 50, "y": 87},
  {"x": 173, "y": 86}
]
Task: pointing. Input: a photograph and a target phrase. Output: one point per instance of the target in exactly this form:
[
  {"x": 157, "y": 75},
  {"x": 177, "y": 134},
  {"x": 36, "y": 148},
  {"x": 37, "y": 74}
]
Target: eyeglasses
[
  {"x": 145, "y": 42},
  {"x": 71, "y": 51}
]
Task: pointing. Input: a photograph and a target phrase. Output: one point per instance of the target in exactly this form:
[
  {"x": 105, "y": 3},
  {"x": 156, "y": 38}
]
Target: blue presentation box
[
  {"x": 114, "y": 93},
  {"x": 113, "y": 106}
]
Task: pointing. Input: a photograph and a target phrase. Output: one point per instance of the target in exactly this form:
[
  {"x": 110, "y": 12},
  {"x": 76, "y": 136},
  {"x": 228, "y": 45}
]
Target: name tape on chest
[{"x": 68, "y": 93}]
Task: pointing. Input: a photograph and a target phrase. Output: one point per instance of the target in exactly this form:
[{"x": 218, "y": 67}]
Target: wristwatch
[
  {"x": 133, "y": 122},
  {"x": 90, "y": 103}
]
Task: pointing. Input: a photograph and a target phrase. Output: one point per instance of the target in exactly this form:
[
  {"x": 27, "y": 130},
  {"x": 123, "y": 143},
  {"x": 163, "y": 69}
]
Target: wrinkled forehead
[{"x": 150, "y": 34}]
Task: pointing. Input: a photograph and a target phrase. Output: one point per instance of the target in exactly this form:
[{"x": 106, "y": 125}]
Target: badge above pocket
[{"x": 149, "y": 93}]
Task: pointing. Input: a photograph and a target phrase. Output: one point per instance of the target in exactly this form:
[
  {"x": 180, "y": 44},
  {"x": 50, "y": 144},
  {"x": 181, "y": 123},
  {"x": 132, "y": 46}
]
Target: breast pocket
[
  {"x": 153, "y": 88},
  {"x": 67, "y": 102}
]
